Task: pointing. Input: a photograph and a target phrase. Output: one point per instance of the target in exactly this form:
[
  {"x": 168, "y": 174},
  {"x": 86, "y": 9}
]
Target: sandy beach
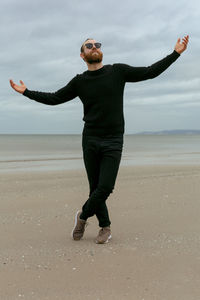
[{"x": 154, "y": 252}]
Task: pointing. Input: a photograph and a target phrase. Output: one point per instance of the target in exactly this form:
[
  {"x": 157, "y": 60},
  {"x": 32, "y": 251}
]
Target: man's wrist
[
  {"x": 24, "y": 91},
  {"x": 177, "y": 52}
]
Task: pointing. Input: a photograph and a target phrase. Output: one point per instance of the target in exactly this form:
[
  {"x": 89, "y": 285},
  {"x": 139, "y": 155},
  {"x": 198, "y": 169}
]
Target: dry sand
[{"x": 154, "y": 253}]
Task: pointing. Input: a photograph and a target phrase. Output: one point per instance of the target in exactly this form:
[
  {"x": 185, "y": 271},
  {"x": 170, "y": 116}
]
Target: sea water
[{"x": 64, "y": 152}]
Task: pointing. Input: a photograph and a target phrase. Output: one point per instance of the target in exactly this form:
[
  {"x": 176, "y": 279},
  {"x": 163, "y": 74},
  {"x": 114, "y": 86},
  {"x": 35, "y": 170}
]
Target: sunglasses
[{"x": 90, "y": 45}]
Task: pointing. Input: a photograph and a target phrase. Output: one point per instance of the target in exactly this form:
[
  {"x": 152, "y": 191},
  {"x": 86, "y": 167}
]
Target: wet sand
[{"x": 154, "y": 252}]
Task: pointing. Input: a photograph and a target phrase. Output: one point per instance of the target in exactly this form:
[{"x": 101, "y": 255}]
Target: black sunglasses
[{"x": 90, "y": 45}]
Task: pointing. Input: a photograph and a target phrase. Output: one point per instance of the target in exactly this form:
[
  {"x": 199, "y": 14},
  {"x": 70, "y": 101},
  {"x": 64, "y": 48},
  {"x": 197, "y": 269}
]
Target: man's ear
[{"x": 81, "y": 55}]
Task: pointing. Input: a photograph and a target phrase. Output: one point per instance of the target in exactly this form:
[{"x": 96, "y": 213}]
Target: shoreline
[{"x": 76, "y": 165}]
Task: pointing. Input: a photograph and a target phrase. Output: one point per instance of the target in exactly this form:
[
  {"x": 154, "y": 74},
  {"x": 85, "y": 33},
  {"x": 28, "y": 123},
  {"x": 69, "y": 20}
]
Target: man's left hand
[{"x": 180, "y": 47}]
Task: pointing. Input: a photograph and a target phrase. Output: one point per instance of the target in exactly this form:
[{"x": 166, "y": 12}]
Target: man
[{"x": 100, "y": 89}]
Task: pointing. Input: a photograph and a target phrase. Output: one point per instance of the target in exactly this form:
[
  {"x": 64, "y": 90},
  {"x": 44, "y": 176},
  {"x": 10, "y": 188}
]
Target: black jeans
[{"x": 102, "y": 156}]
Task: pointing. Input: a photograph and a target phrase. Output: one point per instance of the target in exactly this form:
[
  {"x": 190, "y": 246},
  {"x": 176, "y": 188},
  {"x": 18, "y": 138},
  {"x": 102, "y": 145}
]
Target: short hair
[{"x": 82, "y": 49}]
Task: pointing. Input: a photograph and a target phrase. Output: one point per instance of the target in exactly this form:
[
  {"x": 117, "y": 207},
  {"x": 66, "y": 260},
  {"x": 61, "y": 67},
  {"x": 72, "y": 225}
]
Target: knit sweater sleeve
[
  {"x": 134, "y": 74},
  {"x": 62, "y": 95}
]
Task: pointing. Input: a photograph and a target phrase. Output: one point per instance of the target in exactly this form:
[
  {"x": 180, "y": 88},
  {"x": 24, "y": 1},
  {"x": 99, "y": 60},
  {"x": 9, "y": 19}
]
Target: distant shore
[{"x": 170, "y": 132}]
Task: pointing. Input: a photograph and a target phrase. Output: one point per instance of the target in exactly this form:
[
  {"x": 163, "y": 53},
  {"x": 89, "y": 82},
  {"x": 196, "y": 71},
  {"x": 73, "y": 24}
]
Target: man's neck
[{"x": 94, "y": 67}]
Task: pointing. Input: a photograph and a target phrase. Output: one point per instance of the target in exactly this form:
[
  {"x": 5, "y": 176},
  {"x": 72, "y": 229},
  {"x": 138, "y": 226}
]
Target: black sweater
[{"x": 101, "y": 93}]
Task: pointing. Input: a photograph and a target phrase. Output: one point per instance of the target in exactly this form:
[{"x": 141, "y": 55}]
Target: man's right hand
[{"x": 18, "y": 88}]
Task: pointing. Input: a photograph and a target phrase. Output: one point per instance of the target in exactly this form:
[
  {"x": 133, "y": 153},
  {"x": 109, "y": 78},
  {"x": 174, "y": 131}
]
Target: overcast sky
[{"x": 40, "y": 44}]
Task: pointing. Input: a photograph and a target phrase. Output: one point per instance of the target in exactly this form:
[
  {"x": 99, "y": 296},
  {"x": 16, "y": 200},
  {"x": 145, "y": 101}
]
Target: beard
[{"x": 94, "y": 57}]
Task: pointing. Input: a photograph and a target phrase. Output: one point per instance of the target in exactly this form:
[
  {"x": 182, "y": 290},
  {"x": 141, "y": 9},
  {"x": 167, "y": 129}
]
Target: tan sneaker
[
  {"x": 104, "y": 235},
  {"x": 79, "y": 227}
]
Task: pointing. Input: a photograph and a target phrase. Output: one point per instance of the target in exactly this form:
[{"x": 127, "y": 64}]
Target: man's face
[{"x": 92, "y": 55}]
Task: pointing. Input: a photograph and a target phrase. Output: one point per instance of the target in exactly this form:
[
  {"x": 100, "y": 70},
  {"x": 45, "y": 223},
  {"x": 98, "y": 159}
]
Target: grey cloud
[{"x": 41, "y": 42}]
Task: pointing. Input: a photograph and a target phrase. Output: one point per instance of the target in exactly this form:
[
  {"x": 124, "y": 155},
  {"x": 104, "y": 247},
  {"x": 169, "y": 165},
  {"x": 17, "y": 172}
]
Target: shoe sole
[
  {"x": 76, "y": 217},
  {"x": 110, "y": 236}
]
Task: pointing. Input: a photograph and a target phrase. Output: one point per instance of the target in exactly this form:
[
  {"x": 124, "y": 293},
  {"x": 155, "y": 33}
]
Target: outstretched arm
[
  {"x": 133, "y": 74},
  {"x": 64, "y": 94}
]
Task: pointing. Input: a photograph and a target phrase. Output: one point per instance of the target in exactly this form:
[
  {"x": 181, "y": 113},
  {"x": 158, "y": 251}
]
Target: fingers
[
  {"x": 15, "y": 86},
  {"x": 185, "y": 39},
  {"x": 12, "y": 83}
]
